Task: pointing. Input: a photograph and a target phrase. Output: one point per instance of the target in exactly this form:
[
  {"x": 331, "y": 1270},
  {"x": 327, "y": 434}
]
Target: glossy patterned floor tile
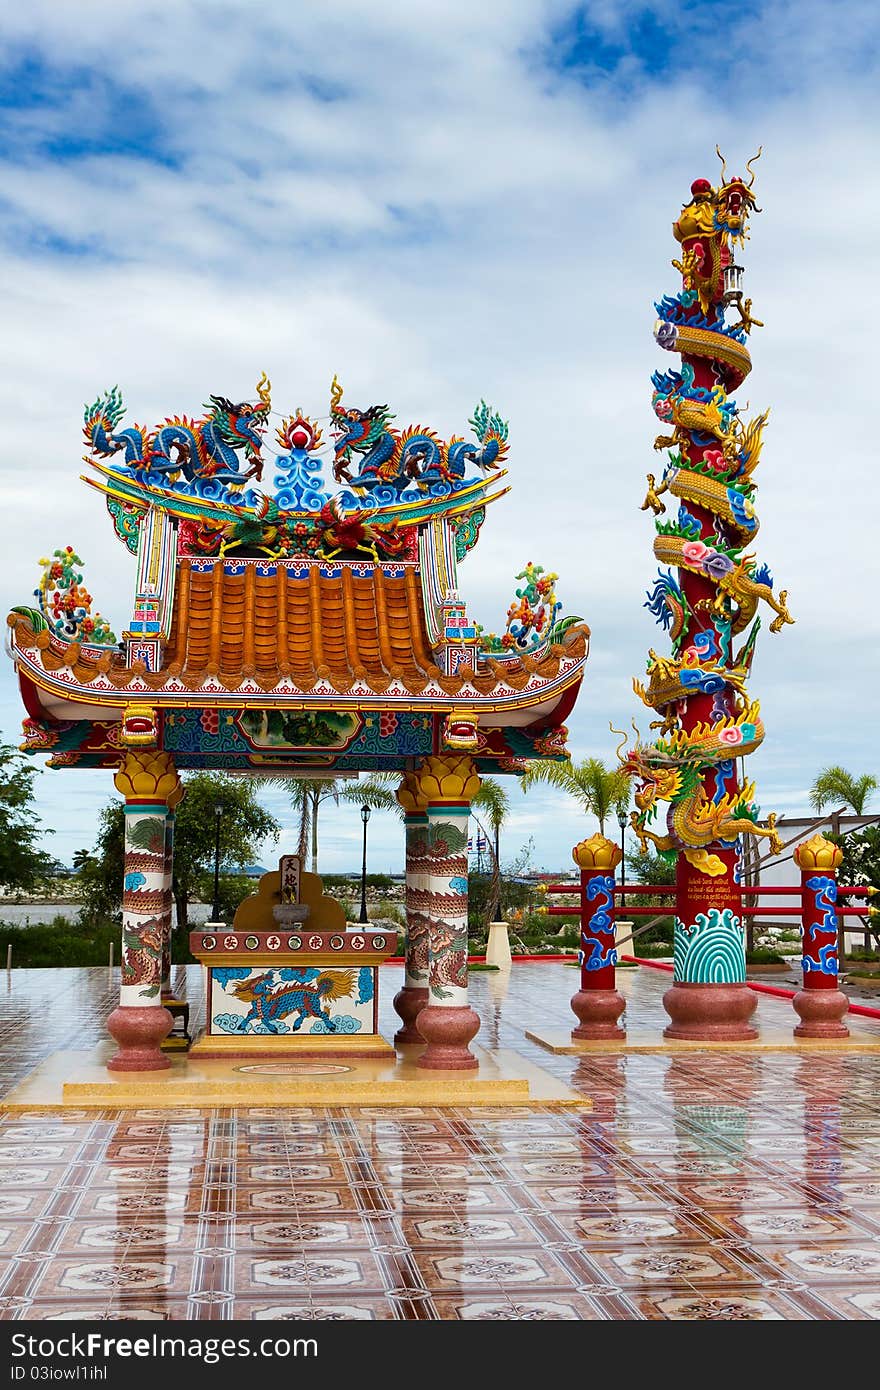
[
  {"x": 556, "y": 1307},
  {"x": 699, "y": 1187},
  {"x": 729, "y": 1305}
]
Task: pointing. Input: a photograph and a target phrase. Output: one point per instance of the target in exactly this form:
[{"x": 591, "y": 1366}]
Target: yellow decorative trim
[
  {"x": 309, "y": 1045},
  {"x": 704, "y": 861},
  {"x": 447, "y": 778},
  {"x": 148, "y": 774},
  {"x": 597, "y": 853},
  {"x": 409, "y": 794},
  {"x": 818, "y": 853}
]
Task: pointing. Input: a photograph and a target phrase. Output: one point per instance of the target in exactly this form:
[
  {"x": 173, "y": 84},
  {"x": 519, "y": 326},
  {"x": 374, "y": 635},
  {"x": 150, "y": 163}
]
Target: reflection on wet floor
[{"x": 729, "y": 1185}]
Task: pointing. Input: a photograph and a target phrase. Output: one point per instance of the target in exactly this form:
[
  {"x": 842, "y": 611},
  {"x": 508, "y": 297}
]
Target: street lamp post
[
  {"x": 365, "y": 816},
  {"x": 218, "y": 816},
  {"x": 622, "y": 822}
]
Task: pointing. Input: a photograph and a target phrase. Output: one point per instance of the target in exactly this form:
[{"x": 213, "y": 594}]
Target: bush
[
  {"x": 392, "y": 912},
  {"x": 650, "y": 950},
  {"x": 232, "y": 889},
  {"x": 663, "y": 933},
  {"x": 337, "y": 883},
  {"x": 762, "y": 955},
  {"x": 59, "y": 942}
]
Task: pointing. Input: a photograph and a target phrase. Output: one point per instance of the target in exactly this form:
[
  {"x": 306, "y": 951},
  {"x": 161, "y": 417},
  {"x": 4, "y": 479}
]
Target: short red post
[
  {"x": 820, "y": 1004},
  {"x": 597, "y": 1004}
]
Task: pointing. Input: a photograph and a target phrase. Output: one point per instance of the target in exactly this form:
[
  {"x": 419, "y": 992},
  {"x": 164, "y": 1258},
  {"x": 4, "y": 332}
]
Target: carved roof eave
[{"x": 66, "y": 672}]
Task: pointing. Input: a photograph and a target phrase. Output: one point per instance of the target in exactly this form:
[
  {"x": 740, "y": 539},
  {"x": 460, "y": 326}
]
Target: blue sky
[{"x": 439, "y": 204}]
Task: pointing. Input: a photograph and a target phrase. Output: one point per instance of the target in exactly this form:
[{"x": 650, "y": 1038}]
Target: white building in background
[{"x": 780, "y": 870}]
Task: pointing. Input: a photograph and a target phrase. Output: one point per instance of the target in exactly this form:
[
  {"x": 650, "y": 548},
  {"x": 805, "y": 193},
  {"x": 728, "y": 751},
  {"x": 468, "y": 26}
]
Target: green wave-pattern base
[{"x": 712, "y": 951}]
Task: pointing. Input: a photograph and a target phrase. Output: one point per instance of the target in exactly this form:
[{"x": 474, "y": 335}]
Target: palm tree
[
  {"x": 307, "y": 795},
  {"x": 836, "y": 784},
  {"x": 597, "y": 789},
  {"x": 492, "y": 799}
]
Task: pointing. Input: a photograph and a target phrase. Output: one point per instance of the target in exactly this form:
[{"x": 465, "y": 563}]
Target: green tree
[
  {"x": 97, "y": 881},
  {"x": 22, "y": 864},
  {"x": 649, "y": 867},
  {"x": 597, "y": 789},
  {"x": 835, "y": 785},
  {"x": 860, "y": 867},
  {"x": 244, "y": 825},
  {"x": 492, "y": 800}
]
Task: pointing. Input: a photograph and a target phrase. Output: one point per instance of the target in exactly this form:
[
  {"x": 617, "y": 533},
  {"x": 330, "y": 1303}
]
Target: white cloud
[{"x": 462, "y": 220}]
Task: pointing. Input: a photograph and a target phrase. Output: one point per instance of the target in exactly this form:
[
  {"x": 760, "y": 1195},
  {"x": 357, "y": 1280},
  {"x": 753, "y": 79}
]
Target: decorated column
[
  {"x": 149, "y": 782},
  {"x": 410, "y": 1000},
  {"x": 820, "y": 1004},
  {"x": 168, "y": 892},
  {"x": 707, "y": 600},
  {"x": 168, "y": 909},
  {"x": 597, "y": 1004},
  {"x": 446, "y": 786}
]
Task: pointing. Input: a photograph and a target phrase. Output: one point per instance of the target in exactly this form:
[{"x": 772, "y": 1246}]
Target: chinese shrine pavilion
[{"x": 306, "y": 628}]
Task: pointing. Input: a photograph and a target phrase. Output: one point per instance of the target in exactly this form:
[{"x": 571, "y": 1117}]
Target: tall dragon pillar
[{"x": 706, "y": 599}]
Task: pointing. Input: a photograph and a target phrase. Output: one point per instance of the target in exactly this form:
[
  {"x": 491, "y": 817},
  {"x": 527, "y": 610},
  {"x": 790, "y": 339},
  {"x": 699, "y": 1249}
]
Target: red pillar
[
  {"x": 709, "y": 607},
  {"x": 709, "y": 999},
  {"x": 820, "y": 1004},
  {"x": 597, "y": 1004}
]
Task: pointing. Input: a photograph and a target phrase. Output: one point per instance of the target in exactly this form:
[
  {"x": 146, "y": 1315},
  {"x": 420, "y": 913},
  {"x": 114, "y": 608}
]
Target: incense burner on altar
[{"x": 289, "y": 977}]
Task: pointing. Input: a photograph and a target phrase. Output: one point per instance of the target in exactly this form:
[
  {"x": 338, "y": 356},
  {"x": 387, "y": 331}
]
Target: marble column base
[
  {"x": 821, "y": 1012},
  {"x": 597, "y": 1012},
  {"x": 710, "y": 1013},
  {"x": 139, "y": 1031},
  {"x": 409, "y": 1002},
  {"x": 447, "y": 1031}
]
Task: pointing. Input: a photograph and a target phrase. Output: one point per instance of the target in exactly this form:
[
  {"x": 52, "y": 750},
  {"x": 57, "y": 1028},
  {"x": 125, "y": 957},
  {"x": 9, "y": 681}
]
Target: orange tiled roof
[
  {"x": 310, "y": 627},
  {"x": 298, "y": 625}
]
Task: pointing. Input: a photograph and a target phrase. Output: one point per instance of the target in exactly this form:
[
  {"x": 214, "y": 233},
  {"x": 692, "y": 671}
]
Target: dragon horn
[
  {"x": 723, "y": 164},
  {"x": 264, "y": 391},
  {"x": 622, "y": 736},
  {"x": 335, "y": 395},
  {"x": 751, "y": 162}
]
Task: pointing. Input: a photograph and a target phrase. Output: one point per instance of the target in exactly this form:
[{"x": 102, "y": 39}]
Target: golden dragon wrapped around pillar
[{"x": 707, "y": 598}]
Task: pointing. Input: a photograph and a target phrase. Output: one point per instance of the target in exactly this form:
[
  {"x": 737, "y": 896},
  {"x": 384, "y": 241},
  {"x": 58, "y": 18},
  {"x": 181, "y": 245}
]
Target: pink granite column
[
  {"x": 447, "y": 1023},
  {"x": 412, "y": 998},
  {"x": 820, "y": 1003},
  {"x": 168, "y": 908},
  {"x": 148, "y": 781}
]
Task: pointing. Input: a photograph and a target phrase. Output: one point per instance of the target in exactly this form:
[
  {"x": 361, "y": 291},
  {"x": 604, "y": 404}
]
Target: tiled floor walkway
[{"x": 728, "y": 1186}]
